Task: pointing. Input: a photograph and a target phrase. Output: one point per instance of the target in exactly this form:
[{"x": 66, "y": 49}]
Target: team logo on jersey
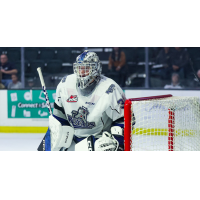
[
  {"x": 110, "y": 89},
  {"x": 78, "y": 119},
  {"x": 72, "y": 98}
]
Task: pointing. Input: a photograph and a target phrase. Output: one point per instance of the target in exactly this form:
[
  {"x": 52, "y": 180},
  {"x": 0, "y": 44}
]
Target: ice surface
[{"x": 20, "y": 141}]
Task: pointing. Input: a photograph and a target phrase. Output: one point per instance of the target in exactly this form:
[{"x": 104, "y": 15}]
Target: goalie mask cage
[{"x": 162, "y": 123}]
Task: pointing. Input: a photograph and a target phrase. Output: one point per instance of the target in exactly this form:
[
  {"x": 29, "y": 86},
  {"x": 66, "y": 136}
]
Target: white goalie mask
[{"x": 87, "y": 68}]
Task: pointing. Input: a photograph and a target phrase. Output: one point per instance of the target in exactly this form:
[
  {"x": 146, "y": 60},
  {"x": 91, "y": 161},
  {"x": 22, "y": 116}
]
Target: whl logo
[{"x": 72, "y": 98}]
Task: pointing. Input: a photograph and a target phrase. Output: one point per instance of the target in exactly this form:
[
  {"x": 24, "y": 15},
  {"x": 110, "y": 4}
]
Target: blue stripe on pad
[{"x": 47, "y": 141}]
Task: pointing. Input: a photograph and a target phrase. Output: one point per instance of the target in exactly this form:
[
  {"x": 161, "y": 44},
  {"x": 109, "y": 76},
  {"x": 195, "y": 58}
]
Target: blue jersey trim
[
  {"x": 77, "y": 140},
  {"x": 120, "y": 139},
  {"x": 116, "y": 124},
  {"x": 63, "y": 122}
]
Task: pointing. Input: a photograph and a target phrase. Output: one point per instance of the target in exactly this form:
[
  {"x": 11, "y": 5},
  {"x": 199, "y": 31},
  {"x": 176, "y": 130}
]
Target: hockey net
[{"x": 162, "y": 123}]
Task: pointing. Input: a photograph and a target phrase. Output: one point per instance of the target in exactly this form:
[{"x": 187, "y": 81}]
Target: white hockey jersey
[{"x": 89, "y": 115}]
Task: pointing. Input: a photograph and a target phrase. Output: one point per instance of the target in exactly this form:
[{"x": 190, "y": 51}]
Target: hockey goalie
[{"x": 88, "y": 111}]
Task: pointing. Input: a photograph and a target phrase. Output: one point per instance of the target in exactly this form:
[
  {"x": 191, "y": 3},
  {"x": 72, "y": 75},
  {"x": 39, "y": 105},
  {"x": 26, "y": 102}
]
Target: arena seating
[{"x": 59, "y": 60}]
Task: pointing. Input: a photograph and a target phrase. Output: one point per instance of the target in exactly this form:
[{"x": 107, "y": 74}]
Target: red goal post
[{"x": 151, "y": 123}]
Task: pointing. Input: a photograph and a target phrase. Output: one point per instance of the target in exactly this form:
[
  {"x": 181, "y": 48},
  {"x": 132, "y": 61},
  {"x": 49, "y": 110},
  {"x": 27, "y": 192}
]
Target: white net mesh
[{"x": 157, "y": 119}]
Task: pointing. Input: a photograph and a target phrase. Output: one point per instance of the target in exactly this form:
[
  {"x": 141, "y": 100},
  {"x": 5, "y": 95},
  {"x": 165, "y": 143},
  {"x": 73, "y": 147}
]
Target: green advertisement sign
[{"x": 29, "y": 103}]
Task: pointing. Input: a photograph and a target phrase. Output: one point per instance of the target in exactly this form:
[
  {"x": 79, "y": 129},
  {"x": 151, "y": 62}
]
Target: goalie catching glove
[{"x": 106, "y": 143}]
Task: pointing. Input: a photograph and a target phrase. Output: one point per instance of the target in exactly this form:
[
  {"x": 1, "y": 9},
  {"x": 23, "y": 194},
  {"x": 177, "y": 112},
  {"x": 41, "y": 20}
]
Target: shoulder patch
[{"x": 110, "y": 89}]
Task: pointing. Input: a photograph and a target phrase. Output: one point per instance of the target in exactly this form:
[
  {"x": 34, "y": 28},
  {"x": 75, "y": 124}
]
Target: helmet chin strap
[{"x": 88, "y": 90}]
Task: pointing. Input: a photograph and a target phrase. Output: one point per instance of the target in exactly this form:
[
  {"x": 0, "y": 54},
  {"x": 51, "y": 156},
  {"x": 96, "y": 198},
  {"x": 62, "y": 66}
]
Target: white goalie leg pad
[
  {"x": 106, "y": 143},
  {"x": 72, "y": 147},
  {"x": 85, "y": 145},
  {"x": 61, "y": 136}
]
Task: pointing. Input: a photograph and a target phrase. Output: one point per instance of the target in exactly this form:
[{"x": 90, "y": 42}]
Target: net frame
[{"x": 128, "y": 113}]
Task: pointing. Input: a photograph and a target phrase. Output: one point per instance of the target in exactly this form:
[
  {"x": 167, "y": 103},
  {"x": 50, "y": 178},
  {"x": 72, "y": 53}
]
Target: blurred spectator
[
  {"x": 7, "y": 69},
  {"x": 175, "y": 84},
  {"x": 195, "y": 83},
  {"x": 1, "y": 85},
  {"x": 180, "y": 61},
  {"x": 117, "y": 61},
  {"x": 31, "y": 83},
  {"x": 163, "y": 63},
  {"x": 164, "y": 56},
  {"x": 15, "y": 84}
]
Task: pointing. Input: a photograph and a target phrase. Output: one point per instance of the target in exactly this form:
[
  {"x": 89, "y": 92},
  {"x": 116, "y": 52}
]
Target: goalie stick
[{"x": 42, "y": 144}]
